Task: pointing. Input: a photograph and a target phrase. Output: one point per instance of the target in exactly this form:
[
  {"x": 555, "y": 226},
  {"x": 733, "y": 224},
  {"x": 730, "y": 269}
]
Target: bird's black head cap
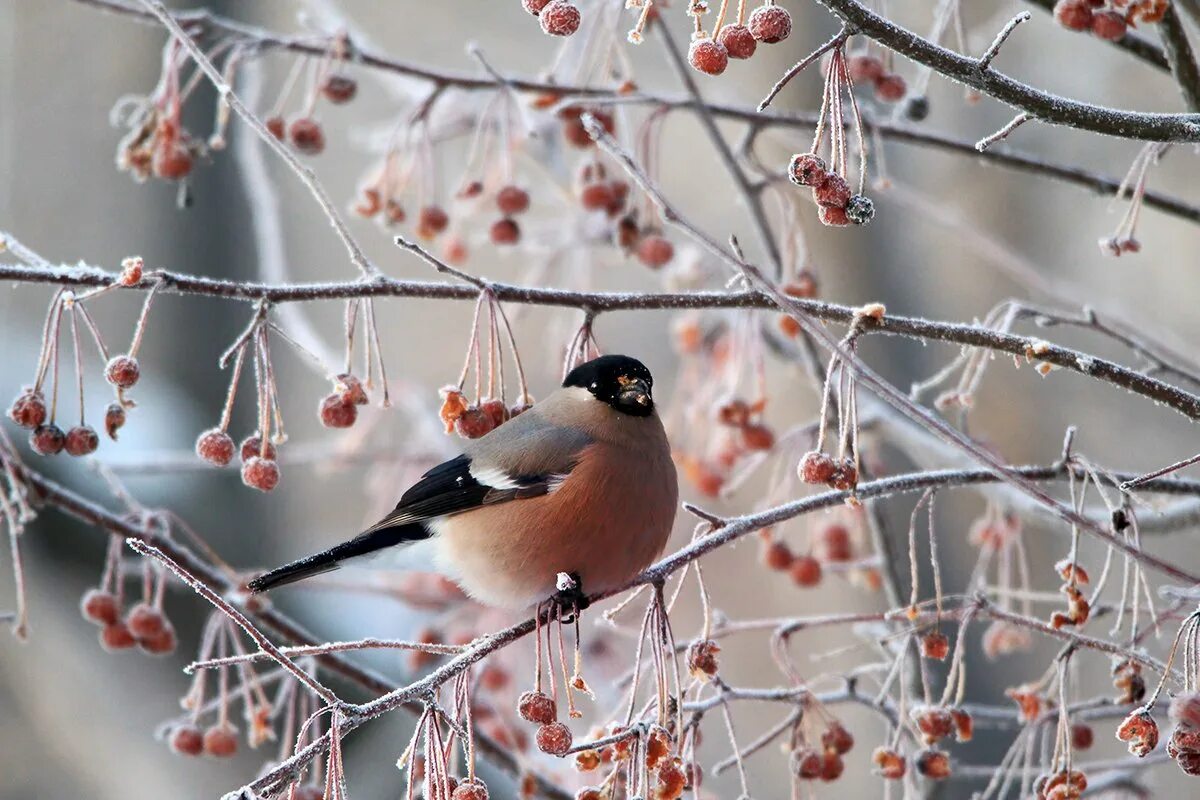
[{"x": 620, "y": 381}]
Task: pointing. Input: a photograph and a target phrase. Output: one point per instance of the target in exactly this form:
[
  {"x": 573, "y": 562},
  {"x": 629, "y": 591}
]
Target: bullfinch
[{"x": 582, "y": 483}]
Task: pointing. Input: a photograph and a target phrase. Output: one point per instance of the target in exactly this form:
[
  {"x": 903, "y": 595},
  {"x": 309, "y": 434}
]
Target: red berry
[
  {"x": 832, "y": 766},
  {"x": 833, "y": 191},
  {"x": 888, "y": 763},
  {"x": 596, "y": 196},
  {"x": 702, "y": 659},
  {"x": 777, "y": 556},
  {"x": 833, "y": 216},
  {"x": 338, "y": 412},
  {"x": 470, "y": 791},
  {"x": 537, "y": 707},
  {"x": 114, "y": 419},
  {"x": 806, "y": 169},
  {"x": 160, "y": 644},
  {"x": 534, "y": 6},
  {"x": 738, "y": 41},
  {"x": 100, "y": 607},
  {"x": 277, "y": 127},
  {"x": 473, "y": 423},
  {"x": 933, "y": 764},
  {"x": 708, "y": 56},
  {"x": 122, "y": 371},
  {"x": 81, "y": 441},
  {"x": 655, "y": 250},
  {"x": 1074, "y": 15},
  {"x": 512, "y": 200},
  {"x": 806, "y": 763},
  {"x": 891, "y": 88},
  {"x": 505, "y": 231},
  {"x": 220, "y": 741},
  {"x": 816, "y": 467},
  {"x": 496, "y": 411},
  {"x": 573, "y": 129},
  {"x": 47, "y": 440},
  {"x": 835, "y": 543},
  {"x": 806, "y": 571},
  {"x": 431, "y": 221},
  {"x": 864, "y": 68},
  {"x": 186, "y": 740},
  {"x": 29, "y": 409},
  {"x": 770, "y": 23},
  {"x": 116, "y": 637},
  {"x": 454, "y": 250},
  {"x": 1082, "y": 736},
  {"x": 253, "y": 446},
  {"x": 215, "y": 446},
  {"x": 1109, "y": 25},
  {"x": 559, "y": 18},
  {"x": 260, "y": 473},
  {"x": 144, "y": 621},
  {"x": 307, "y": 136},
  {"x": 339, "y": 89},
  {"x": 758, "y": 437},
  {"x": 554, "y": 738},
  {"x": 935, "y": 645},
  {"x": 171, "y": 160}
]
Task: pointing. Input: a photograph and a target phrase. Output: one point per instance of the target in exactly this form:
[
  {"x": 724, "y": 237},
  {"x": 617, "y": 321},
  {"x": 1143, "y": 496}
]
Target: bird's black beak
[{"x": 635, "y": 392}]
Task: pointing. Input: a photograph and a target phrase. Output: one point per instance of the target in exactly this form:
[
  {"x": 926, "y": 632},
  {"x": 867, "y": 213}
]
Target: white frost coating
[{"x": 1085, "y": 363}]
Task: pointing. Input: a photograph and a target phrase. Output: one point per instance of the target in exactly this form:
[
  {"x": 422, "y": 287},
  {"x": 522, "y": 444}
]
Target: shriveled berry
[
  {"x": 816, "y": 467},
  {"x": 833, "y": 216},
  {"x": 100, "y": 607},
  {"x": 431, "y": 220},
  {"x": 806, "y": 571},
  {"x": 122, "y": 371},
  {"x": 702, "y": 659},
  {"x": 512, "y": 200},
  {"x": 655, "y": 250},
  {"x": 215, "y": 446},
  {"x": 860, "y": 209},
  {"x": 864, "y": 68},
  {"x": 891, "y": 88},
  {"x": 253, "y": 446},
  {"x": 1074, "y": 15},
  {"x": 114, "y": 419},
  {"x": 1109, "y": 25},
  {"x": 505, "y": 231},
  {"x": 534, "y": 6},
  {"x": 116, "y": 637},
  {"x": 260, "y": 473},
  {"x": 337, "y": 412},
  {"x": 171, "y": 161},
  {"x": 738, "y": 41},
  {"x": 1185, "y": 709},
  {"x": 832, "y": 766},
  {"x": 473, "y": 790},
  {"x": 888, "y": 763},
  {"x": 277, "y": 127},
  {"x": 186, "y": 740},
  {"x": 29, "y": 409},
  {"x": 496, "y": 411},
  {"x": 473, "y": 423},
  {"x": 47, "y": 440},
  {"x": 81, "y": 441},
  {"x": 806, "y": 169},
  {"x": 935, "y": 645},
  {"x": 559, "y": 18},
  {"x": 554, "y": 738},
  {"x": 537, "y": 707},
  {"x": 806, "y": 763},
  {"x": 144, "y": 620},
  {"x": 307, "y": 135},
  {"x": 220, "y": 741},
  {"x": 708, "y": 56},
  {"x": 339, "y": 89},
  {"x": 770, "y": 23},
  {"x": 933, "y": 764},
  {"x": 833, "y": 191}
]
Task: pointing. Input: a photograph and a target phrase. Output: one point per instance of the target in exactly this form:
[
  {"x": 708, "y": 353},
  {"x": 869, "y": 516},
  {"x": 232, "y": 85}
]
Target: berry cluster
[
  {"x": 144, "y": 625},
  {"x": 329, "y": 82},
  {"x": 868, "y": 69},
  {"x": 1108, "y": 19},
  {"x": 810, "y": 762},
  {"x": 834, "y": 544},
  {"x": 1078, "y": 608},
  {"x": 710, "y": 52},
  {"x": 1184, "y": 744},
  {"x": 156, "y": 142}
]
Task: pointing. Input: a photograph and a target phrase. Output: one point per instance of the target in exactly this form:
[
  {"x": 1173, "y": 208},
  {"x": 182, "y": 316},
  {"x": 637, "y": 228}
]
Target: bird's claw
[{"x": 569, "y": 599}]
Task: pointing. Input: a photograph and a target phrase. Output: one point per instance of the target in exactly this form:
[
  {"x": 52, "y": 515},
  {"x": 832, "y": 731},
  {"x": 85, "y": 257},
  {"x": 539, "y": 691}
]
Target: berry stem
[
  {"x": 140, "y": 329},
  {"x": 78, "y": 363}
]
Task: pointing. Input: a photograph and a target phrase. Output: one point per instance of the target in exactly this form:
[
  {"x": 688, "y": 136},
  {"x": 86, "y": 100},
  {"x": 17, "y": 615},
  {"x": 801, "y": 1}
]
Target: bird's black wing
[{"x": 449, "y": 488}]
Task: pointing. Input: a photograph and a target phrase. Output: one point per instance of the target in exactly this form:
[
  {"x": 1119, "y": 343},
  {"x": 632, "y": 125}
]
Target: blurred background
[{"x": 948, "y": 235}]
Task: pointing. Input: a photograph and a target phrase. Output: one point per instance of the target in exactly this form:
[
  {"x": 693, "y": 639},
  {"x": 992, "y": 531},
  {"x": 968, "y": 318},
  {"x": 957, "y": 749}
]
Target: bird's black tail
[{"x": 331, "y": 559}]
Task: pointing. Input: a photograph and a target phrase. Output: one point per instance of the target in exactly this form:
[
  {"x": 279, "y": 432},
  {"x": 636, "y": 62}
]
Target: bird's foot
[{"x": 569, "y": 598}]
